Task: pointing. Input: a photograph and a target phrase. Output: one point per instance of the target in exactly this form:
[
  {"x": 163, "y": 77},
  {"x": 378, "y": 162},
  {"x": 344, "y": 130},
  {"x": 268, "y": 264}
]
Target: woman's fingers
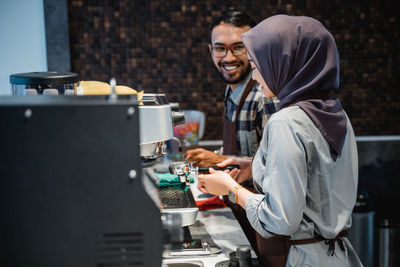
[
  {"x": 202, "y": 184},
  {"x": 215, "y": 183},
  {"x": 204, "y": 190},
  {"x": 228, "y": 161},
  {"x": 234, "y": 173},
  {"x": 201, "y": 178},
  {"x": 201, "y": 187},
  {"x": 211, "y": 170}
]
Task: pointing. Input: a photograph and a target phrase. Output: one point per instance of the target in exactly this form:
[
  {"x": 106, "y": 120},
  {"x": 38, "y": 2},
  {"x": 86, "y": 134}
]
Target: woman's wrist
[
  {"x": 230, "y": 184},
  {"x": 243, "y": 194}
]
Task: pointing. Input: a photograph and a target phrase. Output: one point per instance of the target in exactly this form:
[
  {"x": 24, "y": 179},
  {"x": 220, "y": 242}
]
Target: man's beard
[{"x": 241, "y": 77}]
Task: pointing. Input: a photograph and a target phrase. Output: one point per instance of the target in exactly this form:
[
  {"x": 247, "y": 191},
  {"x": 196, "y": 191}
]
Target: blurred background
[{"x": 161, "y": 47}]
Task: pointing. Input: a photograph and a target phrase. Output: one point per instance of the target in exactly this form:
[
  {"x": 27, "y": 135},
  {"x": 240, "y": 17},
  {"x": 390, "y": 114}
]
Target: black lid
[
  {"x": 243, "y": 252},
  {"x": 49, "y": 77},
  {"x": 364, "y": 202},
  {"x": 233, "y": 257},
  {"x": 390, "y": 223}
]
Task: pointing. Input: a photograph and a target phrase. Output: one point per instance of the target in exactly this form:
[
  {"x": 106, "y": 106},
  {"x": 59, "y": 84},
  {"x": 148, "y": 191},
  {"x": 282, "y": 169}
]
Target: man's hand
[{"x": 203, "y": 158}]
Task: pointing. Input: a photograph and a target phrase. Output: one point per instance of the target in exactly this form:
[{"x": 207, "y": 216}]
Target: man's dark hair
[{"x": 235, "y": 18}]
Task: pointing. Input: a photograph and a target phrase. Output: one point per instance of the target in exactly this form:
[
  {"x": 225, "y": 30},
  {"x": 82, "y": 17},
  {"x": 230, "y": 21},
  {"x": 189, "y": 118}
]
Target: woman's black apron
[{"x": 230, "y": 148}]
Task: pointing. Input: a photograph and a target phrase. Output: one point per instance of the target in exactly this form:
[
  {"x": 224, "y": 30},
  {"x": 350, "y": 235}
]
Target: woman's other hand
[{"x": 216, "y": 183}]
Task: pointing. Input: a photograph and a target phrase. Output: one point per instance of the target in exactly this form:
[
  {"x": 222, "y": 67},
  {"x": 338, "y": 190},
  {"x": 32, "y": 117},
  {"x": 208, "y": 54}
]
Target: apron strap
[
  {"x": 330, "y": 242},
  {"x": 229, "y": 128},
  {"x": 246, "y": 92},
  {"x": 274, "y": 251}
]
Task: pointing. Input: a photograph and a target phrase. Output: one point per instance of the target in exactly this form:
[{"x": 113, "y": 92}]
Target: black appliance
[
  {"x": 71, "y": 184},
  {"x": 46, "y": 83}
]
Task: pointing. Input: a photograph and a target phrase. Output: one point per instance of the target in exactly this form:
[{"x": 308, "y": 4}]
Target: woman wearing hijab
[{"x": 306, "y": 168}]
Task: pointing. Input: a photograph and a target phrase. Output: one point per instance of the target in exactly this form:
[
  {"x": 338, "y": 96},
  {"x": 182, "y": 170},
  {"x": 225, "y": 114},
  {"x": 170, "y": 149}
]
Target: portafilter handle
[{"x": 229, "y": 167}]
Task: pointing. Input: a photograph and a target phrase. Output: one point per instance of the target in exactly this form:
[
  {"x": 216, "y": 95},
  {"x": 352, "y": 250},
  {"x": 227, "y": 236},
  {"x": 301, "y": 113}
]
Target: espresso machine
[
  {"x": 78, "y": 181},
  {"x": 177, "y": 205}
]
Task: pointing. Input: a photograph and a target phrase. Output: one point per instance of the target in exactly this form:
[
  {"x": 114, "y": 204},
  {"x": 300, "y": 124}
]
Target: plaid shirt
[{"x": 254, "y": 114}]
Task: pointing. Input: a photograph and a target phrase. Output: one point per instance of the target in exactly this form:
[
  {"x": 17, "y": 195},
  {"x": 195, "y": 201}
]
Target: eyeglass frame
[{"x": 228, "y": 47}]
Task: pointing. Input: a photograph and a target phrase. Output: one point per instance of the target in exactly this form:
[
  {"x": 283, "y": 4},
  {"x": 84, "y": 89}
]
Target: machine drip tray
[
  {"x": 176, "y": 197},
  {"x": 179, "y": 199}
]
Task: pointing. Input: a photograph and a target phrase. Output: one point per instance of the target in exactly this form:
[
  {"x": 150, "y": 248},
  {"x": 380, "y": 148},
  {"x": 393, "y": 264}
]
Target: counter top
[{"x": 223, "y": 229}]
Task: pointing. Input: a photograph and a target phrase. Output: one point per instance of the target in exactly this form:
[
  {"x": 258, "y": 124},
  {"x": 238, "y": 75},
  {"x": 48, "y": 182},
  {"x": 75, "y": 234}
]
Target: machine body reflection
[{"x": 75, "y": 189}]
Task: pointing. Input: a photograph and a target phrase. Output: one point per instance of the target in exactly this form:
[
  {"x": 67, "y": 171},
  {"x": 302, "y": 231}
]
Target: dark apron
[
  {"x": 229, "y": 130},
  {"x": 230, "y": 148}
]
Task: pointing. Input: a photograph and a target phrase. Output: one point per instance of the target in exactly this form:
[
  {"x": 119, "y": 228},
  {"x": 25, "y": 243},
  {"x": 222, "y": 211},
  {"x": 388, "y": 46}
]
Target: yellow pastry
[{"x": 102, "y": 88}]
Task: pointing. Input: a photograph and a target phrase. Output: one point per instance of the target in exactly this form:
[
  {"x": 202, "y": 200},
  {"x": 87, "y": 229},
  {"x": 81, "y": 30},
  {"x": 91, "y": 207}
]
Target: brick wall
[{"x": 161, "y": 47}]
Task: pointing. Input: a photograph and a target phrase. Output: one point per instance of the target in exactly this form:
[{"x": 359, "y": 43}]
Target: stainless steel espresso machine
[
  {"x": 78, "y": 184},
  {"x": 157, "y": 117},
  {"x": 177, "y": 205}
]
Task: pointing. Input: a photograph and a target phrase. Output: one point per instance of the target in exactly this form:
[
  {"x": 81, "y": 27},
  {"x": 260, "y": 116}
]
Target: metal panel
[{"x": 70, "y": 175}]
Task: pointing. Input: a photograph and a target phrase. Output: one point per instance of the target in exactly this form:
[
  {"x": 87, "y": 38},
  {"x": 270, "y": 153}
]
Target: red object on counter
[{"x": 210, "y": 203}]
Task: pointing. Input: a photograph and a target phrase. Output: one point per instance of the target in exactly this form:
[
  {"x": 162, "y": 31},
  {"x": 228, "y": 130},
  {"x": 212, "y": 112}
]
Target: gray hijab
[{"x": 299, "y": 61}]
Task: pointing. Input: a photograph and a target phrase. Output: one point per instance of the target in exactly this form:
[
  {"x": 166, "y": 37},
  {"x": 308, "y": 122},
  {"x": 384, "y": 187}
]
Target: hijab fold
[{"x": 298, "y": 60}]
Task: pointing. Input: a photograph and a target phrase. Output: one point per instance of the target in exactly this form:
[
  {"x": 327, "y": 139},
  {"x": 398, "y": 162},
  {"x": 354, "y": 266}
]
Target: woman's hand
[
  {"x": 203, "y": 158},
  {"x": 243, "y": 173},
  {"x": 216, "y": 183}
]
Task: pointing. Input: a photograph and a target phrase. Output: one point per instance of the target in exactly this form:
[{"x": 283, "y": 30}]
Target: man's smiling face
[{"x": 233, "y": 68}]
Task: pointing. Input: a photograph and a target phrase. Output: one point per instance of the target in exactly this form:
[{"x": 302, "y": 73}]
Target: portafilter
[{"x": 185, "y": 168}]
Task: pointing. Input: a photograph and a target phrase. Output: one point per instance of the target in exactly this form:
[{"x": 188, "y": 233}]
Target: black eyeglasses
[{"x": 222, "y": 50}]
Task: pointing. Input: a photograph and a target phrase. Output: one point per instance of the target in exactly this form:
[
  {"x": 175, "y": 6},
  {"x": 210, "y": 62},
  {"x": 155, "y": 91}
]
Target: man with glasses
[{"x": 246, "y": 109}]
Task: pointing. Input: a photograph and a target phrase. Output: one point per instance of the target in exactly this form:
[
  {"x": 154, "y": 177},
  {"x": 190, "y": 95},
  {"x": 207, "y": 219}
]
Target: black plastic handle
[{"x": 229, "y": 167}]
